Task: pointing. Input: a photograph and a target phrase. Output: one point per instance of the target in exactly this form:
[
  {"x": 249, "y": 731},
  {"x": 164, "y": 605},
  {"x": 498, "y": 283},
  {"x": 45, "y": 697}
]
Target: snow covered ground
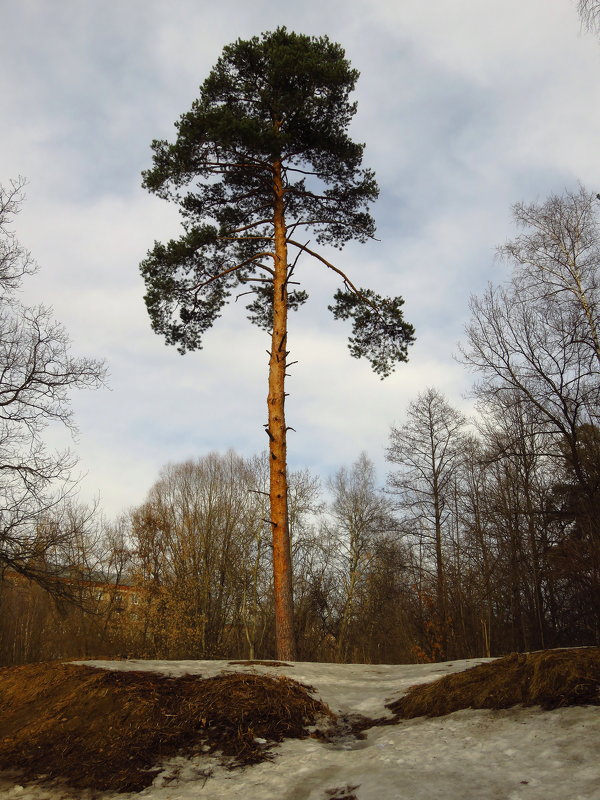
[{"x": 469, "y": 755}]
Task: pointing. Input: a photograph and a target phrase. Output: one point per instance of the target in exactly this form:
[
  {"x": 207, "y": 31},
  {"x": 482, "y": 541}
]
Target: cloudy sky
[{"x": 466, "y": 107}]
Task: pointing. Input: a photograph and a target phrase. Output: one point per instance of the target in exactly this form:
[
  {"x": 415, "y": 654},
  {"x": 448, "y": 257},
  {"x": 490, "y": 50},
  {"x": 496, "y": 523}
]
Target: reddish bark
[{"x": 277, "y": 431}]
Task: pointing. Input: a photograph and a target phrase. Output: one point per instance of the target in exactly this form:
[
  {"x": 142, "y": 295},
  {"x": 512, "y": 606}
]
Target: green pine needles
[{"x": 281, "y": 98}]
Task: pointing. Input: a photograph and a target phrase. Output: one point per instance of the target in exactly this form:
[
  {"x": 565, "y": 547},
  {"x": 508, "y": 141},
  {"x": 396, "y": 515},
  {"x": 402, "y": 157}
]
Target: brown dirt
[
  {"x": 548, "y": 678},
  {"x": 109, "y": 730},
  {"x": 261, "y": 663}
]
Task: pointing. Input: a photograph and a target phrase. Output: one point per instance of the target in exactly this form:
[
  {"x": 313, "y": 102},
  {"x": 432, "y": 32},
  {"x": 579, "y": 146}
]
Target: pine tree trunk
[{"x": 278, "y": 490}]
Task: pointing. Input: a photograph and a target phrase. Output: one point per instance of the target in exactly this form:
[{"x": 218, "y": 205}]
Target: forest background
[{"x": 528, "y": 581}]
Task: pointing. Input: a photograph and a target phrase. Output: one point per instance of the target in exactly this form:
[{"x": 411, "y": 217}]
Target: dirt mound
[
  {"x": 548, "y": 678},
  {"x": 110, "y": 730}
]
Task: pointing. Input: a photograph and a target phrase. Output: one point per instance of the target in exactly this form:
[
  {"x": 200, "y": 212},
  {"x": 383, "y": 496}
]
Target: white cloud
[{"x": 465, "y": 109}]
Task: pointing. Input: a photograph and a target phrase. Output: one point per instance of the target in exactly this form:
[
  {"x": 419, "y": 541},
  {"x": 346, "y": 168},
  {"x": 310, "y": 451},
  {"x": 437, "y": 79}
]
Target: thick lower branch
[
  {"x": 233, "y": 269},
  {"x": 345, "y": 278}
]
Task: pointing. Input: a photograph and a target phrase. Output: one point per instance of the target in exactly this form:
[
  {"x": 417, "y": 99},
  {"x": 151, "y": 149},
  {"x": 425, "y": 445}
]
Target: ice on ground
[{"x": 469, "y": 755}]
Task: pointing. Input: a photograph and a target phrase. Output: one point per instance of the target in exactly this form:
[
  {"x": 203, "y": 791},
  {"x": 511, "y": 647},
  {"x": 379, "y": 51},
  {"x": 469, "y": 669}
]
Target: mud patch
[{"x": 110, "y": 730}]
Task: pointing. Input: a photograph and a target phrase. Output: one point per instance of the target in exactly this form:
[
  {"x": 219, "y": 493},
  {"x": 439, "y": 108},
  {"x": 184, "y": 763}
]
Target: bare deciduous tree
[
  {"x": 556, "y": 264},
  {"x": 537, "y": 335},
  {"x": 196, "y": 538},
  {"x": 362, "y": 516},
  {"x": 37, "y": 372},
  {"x": 428, "y": 449},
  {"x": 15, "y": 261},
  {"x": 535, "y": 343},
  {"x": 202, "y": 541},
  {"x": 589, "y": 11}
]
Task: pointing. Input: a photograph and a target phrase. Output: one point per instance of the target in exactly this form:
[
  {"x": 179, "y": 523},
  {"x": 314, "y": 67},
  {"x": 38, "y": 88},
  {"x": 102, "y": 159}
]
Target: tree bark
[
  {"x": 440, "y": 572},
  {"x": 277, "y": 432},
  {"x": 439, "y": 555}
]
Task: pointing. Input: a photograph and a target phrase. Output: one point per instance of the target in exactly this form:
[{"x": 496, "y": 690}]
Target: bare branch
[
  {"x": 314, "y": 254},
  {"x": 589, "y": 11},
  {"x": 233, "y": 269},
  {"x": 253, "y": 225}
]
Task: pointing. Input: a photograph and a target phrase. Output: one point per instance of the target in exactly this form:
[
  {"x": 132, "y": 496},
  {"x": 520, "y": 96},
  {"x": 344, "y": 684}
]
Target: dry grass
[
  {"x": 261, "y": 663},
  {"x": 548, "y": 678},
  {"x": 110, "y": 730}
]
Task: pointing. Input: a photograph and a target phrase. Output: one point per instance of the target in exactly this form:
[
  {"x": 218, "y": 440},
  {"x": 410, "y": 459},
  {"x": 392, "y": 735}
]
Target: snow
[{"x": 469, "y": 755}]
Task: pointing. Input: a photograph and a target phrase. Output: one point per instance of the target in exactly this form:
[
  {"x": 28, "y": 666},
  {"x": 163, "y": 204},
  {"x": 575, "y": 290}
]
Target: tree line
[{"x": 484, "y": 538}]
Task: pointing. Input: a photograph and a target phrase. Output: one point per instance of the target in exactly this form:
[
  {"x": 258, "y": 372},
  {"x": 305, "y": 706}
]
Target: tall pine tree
[{"x": 262, "y": 155}]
